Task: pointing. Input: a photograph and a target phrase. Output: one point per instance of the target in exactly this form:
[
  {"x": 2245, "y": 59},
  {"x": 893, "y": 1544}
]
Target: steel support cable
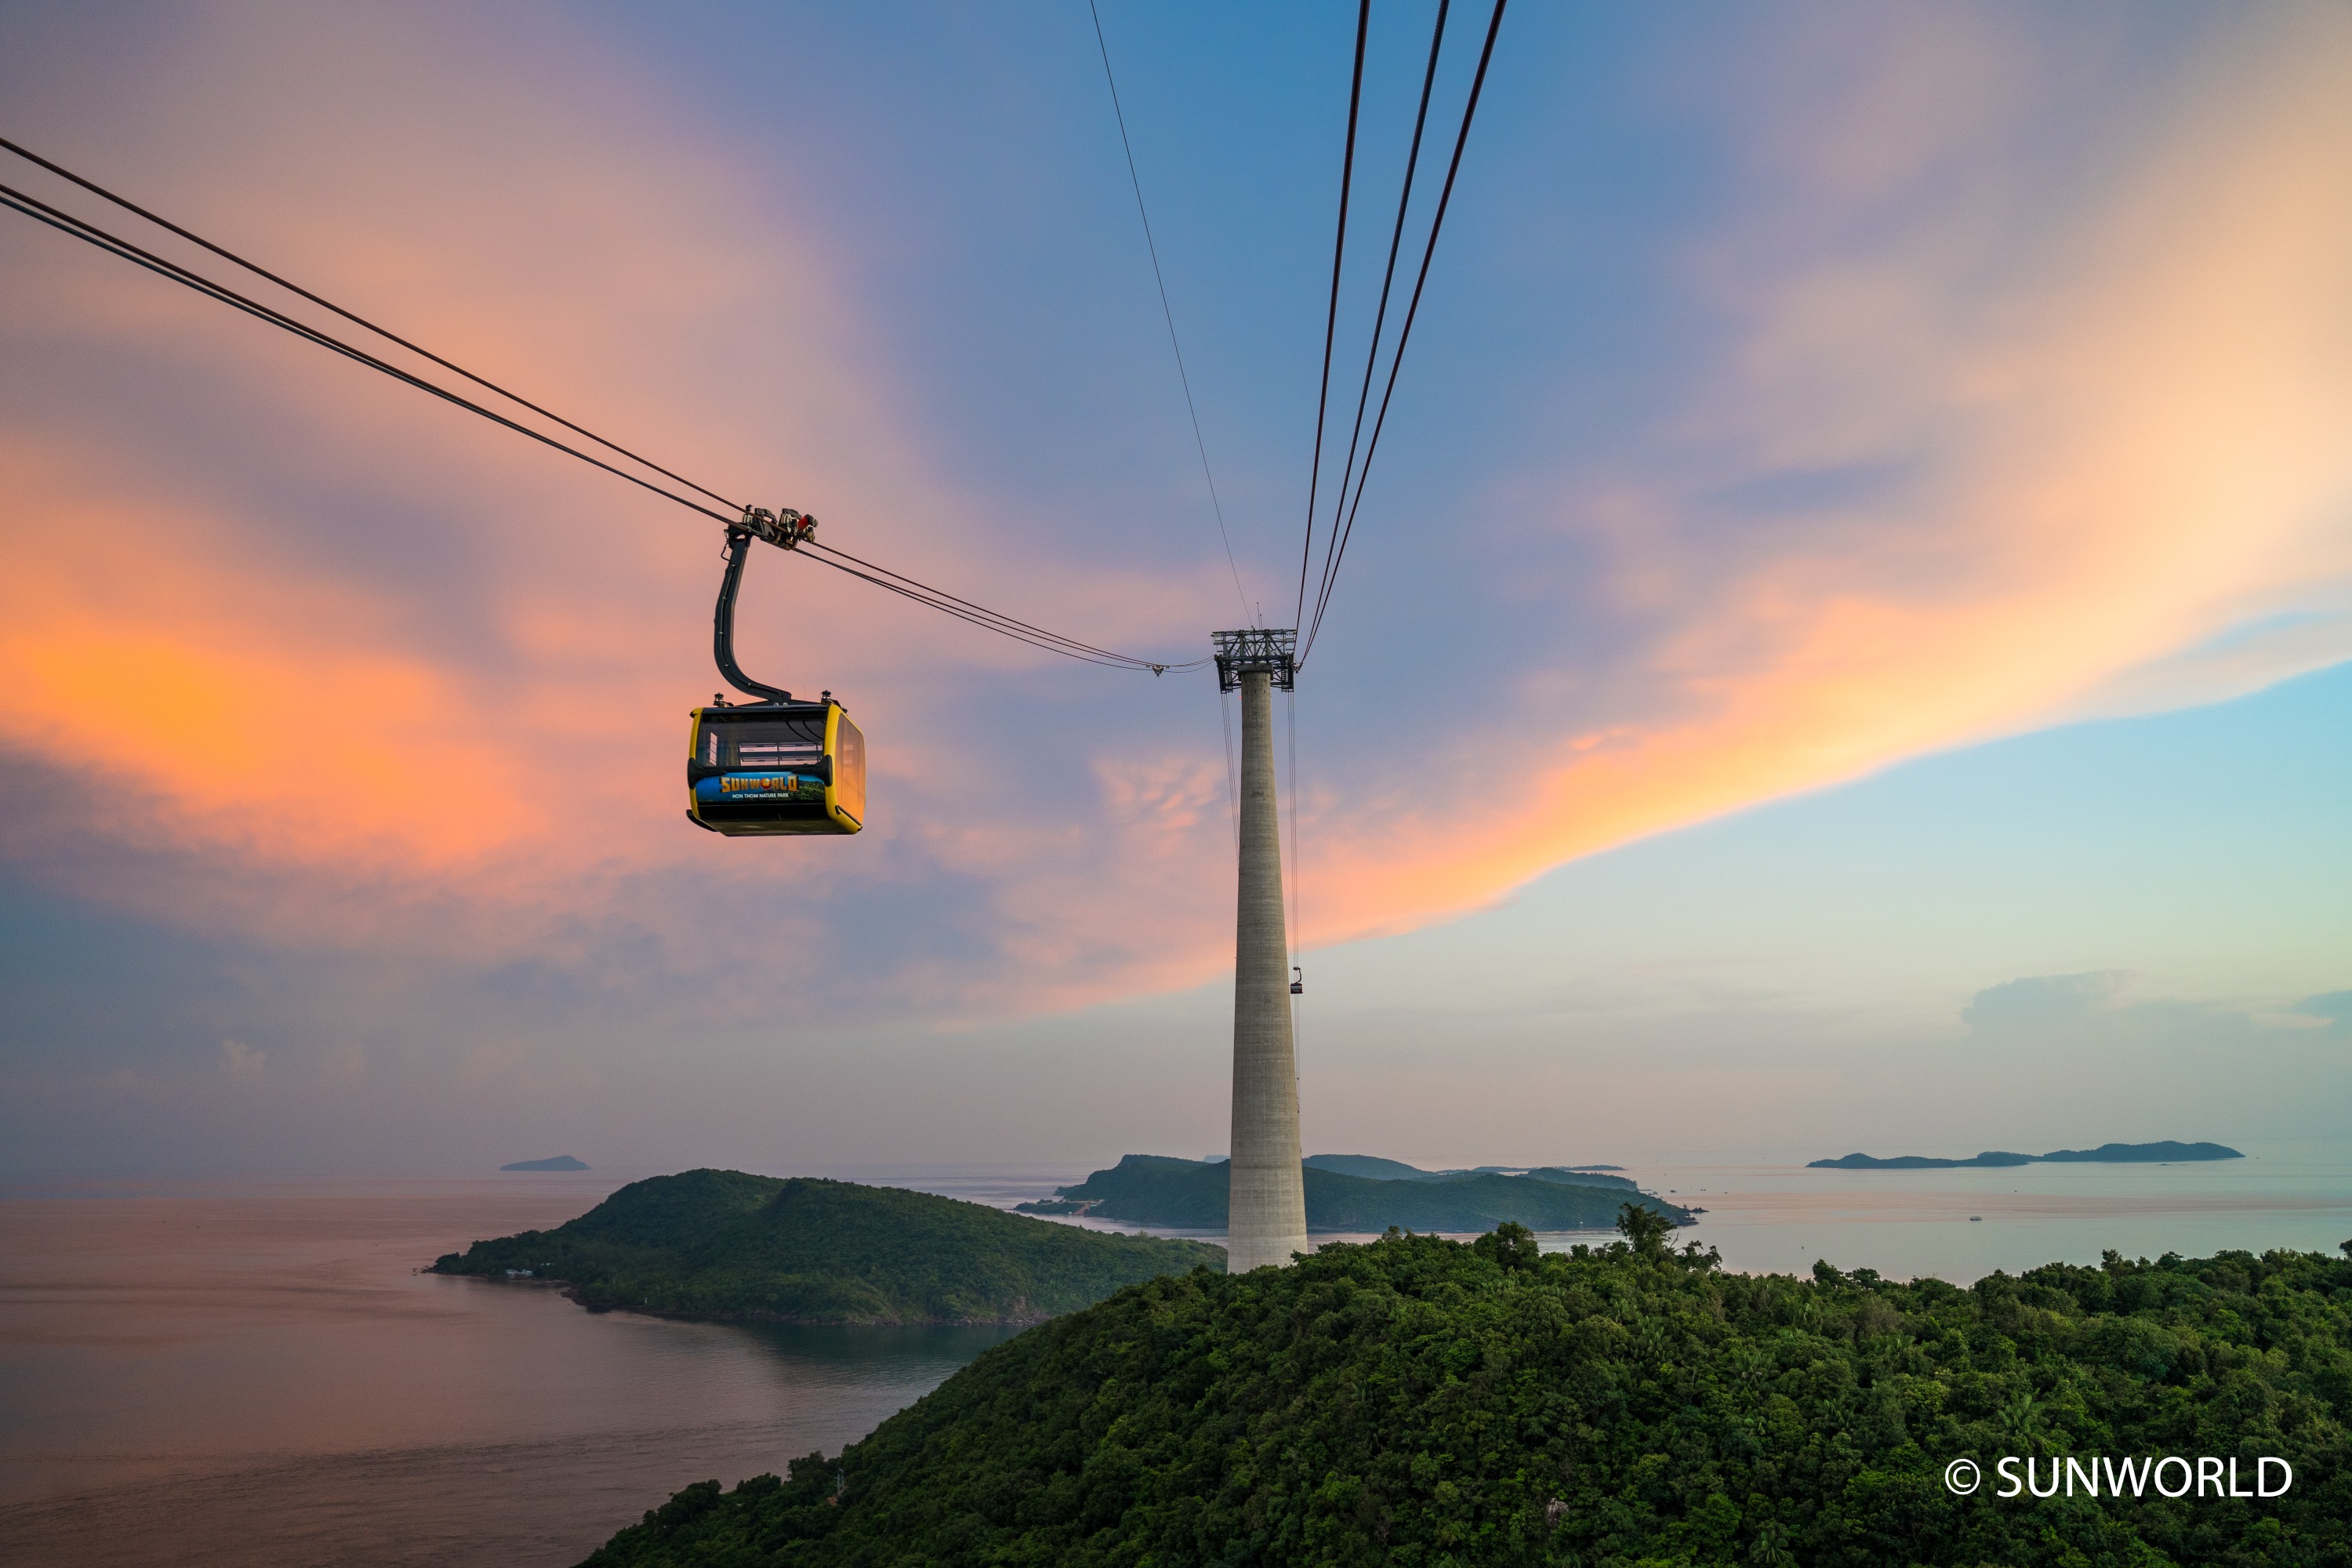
[
  {"x": 1445, "y": 197},
  {"x": 1114, "y": 662},
  {"x": 996, "y": 617},
  {"x": 1168, "y": 312},
  {"x": 390, "y": 336},
  {"x": 949, "y": 605},
  {"x": 1388, "y": 282},
  {"x": 1331, "y": 317},
  {"x": 923, "y": 593},
  {"x": 81, "y": 229}
]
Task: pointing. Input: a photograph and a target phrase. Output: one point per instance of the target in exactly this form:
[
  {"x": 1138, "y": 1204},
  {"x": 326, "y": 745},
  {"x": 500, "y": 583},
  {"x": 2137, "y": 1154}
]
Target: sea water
[
  {"x": 256, "y": 1373},
  {"x": 1766, "y": 1212},
  {"x": 1776, "y": 1215}
]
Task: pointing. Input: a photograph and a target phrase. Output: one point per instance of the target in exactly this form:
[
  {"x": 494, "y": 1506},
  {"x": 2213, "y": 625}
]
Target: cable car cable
[
  {"x": 946, "y": 605},
  {"x": 385, "y": 332},
  {"x": 996, "y": 618},
  {"x": 1413, "y": 310},
  {"x": 920, "y": 593},
  {"x": 82, "y": 229},
  {"x": 1388, "y": 282},
  {"x": 907, "y": 587},
  {"x": 1454, "y": 168},
  {"x": 1153, "y": 247},
  {"x": 1331, "y": 317}
]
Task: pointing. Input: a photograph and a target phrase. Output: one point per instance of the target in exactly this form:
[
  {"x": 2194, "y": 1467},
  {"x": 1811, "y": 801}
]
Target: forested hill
[
  {"x": 1374, "y": 1168},
  {"x": 724, "y": 1244},
  {"x": 1418, "y": 1401},
  {"x": 1152, "y": 1189}
]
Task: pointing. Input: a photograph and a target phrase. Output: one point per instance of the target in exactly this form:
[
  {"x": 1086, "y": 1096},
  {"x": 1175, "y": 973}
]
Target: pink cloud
[
  {"x": 448, "y": 713},
  {"x": 2124, "y": 441}
]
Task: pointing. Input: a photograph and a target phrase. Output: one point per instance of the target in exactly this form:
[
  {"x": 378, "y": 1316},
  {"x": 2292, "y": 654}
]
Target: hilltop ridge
[{"x": 727, "y": 1244}]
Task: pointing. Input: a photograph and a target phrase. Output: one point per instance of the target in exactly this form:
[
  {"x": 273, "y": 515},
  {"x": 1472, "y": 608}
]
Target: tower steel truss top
[{"x": 1272, "y": 649}]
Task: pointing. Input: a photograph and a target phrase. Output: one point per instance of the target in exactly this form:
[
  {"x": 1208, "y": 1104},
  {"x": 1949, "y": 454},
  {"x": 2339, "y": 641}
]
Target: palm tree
[{"x": 1646, "y": 1229}]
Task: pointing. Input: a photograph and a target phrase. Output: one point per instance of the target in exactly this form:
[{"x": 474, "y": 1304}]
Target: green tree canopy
[{"x": 1423, "y": 1402}]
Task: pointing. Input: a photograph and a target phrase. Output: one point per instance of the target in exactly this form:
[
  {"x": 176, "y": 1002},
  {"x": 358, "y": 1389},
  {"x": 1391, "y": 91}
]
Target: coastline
[{"x": 786, "y": 1319}]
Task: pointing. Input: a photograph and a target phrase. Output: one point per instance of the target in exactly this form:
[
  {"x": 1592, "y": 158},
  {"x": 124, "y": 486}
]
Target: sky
[{"x": 1848, "y": 641}]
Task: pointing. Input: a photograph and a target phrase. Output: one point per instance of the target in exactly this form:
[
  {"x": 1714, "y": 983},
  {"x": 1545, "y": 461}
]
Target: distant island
[
  {"x": 1154, "y": 1189},
  {"x": 2165, "y": 1153},
  {"x": 727, "y": 1245},
  {"x": 1373, "y": 1168},
  {"x": 561, "y": 1163}
]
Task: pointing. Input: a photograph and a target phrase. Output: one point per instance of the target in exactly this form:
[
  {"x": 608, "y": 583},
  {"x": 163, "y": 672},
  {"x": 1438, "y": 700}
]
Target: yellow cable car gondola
[{"x": 774, "y": 765}]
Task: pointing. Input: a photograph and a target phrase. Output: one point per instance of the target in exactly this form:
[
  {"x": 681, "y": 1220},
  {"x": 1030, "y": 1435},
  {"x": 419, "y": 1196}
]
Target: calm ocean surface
[{"x": 251, "y": 1373}]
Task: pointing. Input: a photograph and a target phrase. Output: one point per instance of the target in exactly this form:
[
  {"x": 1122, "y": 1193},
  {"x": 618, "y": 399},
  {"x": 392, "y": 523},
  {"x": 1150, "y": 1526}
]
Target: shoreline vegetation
[
  {"x": 1155, "y": 1189},
  {"x": 1417, "y": 1400},
  {"x": 2164, "y": 1153},
  {"x": 728, "y": 1246}
]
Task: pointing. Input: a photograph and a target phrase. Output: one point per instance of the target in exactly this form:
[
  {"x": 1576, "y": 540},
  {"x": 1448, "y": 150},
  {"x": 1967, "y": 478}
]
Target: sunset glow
[{"x": 1940, "y": 414}]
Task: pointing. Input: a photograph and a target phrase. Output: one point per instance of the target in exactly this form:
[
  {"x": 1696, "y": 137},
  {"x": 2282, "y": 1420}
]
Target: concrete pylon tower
[{"x": 1266, "y": 1217}]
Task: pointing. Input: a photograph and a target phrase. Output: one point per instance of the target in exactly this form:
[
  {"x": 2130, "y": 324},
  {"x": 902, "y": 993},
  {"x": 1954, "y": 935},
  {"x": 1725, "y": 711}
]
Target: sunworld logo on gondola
[
  {"x": 2165, "y": 1475},
  {"x": 787, "y": 783}
]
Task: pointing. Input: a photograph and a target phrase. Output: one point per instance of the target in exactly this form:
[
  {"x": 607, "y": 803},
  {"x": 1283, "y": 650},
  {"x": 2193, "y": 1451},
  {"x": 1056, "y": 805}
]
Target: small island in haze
[
  {"x": 727, "y": 1244},
  {"x": 1154, "y": 1189},
  {"x": 561, "y": 1163},
  {"x": 2163, "y": 1154}
]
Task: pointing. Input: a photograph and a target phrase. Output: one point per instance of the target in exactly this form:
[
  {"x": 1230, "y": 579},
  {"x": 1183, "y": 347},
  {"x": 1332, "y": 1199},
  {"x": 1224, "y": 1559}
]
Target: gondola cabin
[{"x": 775, "y": 767}]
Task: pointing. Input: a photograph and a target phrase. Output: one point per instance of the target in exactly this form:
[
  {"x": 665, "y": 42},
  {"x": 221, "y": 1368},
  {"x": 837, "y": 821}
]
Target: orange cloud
[
  {"x": 252, "y": 731},
  {"x": 398, "y": 677},
  {"x": 2131, "y": 443},
  {"x": 396, "y": 681}
]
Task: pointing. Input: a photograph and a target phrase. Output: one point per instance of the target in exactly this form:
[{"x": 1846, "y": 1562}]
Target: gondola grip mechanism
[{"x": 783, "y": 528}]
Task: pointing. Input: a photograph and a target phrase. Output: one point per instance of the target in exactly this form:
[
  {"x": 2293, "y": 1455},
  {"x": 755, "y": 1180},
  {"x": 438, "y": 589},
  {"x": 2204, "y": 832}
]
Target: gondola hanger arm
[{"x": 785, "y": 529}]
